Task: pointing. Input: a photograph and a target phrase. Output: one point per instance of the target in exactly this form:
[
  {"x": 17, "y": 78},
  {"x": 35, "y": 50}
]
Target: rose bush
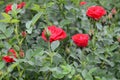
[{"x": 59, "y": 40}]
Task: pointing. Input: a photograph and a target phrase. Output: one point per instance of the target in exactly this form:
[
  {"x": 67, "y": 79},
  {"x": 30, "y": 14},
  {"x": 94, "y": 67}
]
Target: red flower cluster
[
  {"x": 96, "y": 12},
  {"x": 9, "y": 6},
  {"x": 8, "y": 58},
  {"x": 81, "y": 40},
  {"x": 55, "y": 33},
  {"x": 83, "y": 3}
]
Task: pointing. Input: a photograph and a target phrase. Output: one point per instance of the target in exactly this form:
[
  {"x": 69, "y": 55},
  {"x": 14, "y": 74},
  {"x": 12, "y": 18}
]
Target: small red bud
[
  {"x": 114, "y": 11},
  {"x": 110, "y": 16},
  {"x": 21, "y": 53},
  {"x": 23, "y": 33}
]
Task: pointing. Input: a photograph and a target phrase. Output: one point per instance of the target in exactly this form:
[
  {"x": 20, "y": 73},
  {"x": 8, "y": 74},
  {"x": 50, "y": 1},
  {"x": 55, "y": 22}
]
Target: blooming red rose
[
  {"x": 11, "y": 50},
  {"x": 8, "y": 8},
  {"x": 7, "y": 59},
  {"x": 95, "y": 12},
  {"x": 55, "y": 33},
  {"x": 21, "y": 5},
  {"x": 83, "y": 3},
  {"x": 81, "y": 40}
]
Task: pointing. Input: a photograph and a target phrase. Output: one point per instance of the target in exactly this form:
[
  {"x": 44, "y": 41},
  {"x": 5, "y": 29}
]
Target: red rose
[
  {"x": 83, "y": 3},
  {"x": 13, "y": 52},
  {"x": 8, "y": 8},
  {"x": 55, "y": 33},
  {"x": 96, "y": 12},
  {"x": 21, "y": 5},
  {"x": 81, "y": 40},
  {"x": 7, "y": 59}
]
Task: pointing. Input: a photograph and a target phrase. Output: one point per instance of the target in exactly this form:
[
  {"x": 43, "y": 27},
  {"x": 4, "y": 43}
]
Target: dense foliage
[{"x": 59, "y": 40}]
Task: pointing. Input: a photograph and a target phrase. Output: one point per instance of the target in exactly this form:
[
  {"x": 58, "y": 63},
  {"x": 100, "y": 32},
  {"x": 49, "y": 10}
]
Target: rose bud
[
  {"x": 83, "y": 3},
  {"x": 114, "y": 11},
  {"x": 23, "y": 33},
  {"x": 21, "y": 53},
  {"x": 110, "y": 16}
]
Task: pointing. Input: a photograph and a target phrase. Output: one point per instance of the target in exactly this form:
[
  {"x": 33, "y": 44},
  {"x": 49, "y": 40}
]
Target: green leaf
[
  {"x": 9, "y": 31},
  {"x": 2, "y": 64},
  {"x": 65, "y": 22},
  {"x": 97, "y": 78},
  {"x": 77, "y": 77},
  {"x": 8, "y": 19},
  {"x": 30, "y": 62},
  {"x": 5, "y": 32},
  {"x": 14, "y": 7},
  {"x": 29, "y": 30},
  {"x": 58, "y": 73},
  {"x": 6, "y": 16},
  {"x": 5, "y": 21},
  {"x": 50, "y": 4},
  {"x": 72, "y": 73},
  {"x": 66, "y": 69},
  {"x": 32, "y": 22},
  {"x": 14, "y": 21},
  {"x": 35, "y": 18},
  {"x": 12, "y": 66},
  {"x": 99, "y": 26},
  {"x": 55, "y": 45},
  {"x": 29, "y": 53},
  {"x": 114, "y": 46},
  {"x": 92, "y": 70},
  {"x": 36, "y": 7},
  {"x": 44, "y": 69},
  {"x": 3, "y": 27},
  {"x": 28, "y": 24},
  {"x": 1, "y": 2}
]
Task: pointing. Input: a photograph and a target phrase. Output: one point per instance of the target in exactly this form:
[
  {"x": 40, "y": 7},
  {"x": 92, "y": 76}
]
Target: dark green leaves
[
  {"x": 4, "y": 31},
  {"x": 8, "y": 19},
  {"x": 31, "y": 24}
]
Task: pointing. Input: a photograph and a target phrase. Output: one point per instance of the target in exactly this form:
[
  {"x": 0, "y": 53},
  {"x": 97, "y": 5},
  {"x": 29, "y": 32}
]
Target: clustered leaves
[{"x": 59, "y": 40}]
